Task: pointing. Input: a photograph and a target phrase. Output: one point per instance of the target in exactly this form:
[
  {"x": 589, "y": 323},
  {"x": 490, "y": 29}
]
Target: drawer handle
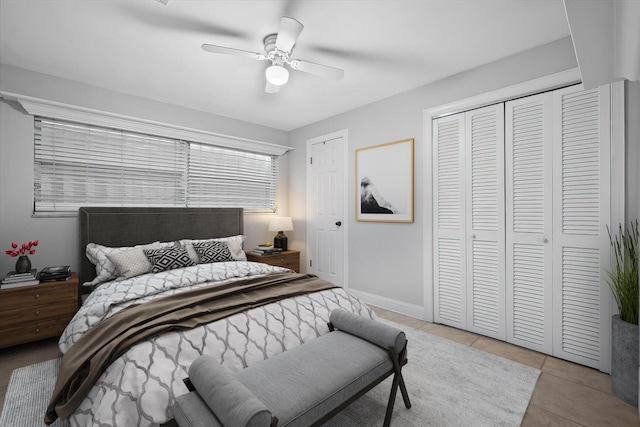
[
  {"x": 37, "y": 295},
  {"x": 38, "y": 313},
  {"x": 37, "y": 330}
]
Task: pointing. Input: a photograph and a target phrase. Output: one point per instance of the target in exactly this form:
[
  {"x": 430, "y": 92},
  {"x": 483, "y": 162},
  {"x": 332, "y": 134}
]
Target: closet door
[
  {"x": 449, "y": 221},
  {"x": 485, "y": 226},
  {"x": 529, "y": 281},
  {"x": 581, "y": 204}
]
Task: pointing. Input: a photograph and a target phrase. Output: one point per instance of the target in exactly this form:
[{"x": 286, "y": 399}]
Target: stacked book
[
  {"x": 266, "y": 250},
  {"x": 15, "y": 280},
  {"x": 53, "y": 274}
]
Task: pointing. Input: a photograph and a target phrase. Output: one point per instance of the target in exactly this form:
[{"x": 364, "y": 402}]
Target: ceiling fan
[{"x": 278, "y": 48}]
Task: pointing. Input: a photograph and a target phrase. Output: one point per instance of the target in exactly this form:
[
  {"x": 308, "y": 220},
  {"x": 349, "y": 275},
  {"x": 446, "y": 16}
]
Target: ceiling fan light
[{"x": 277, "y": 75}]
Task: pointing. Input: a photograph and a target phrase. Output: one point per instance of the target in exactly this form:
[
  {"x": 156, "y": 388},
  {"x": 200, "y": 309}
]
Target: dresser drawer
[
  {"x": 36, "y": 313},
  {"x": 44, "y": 293},
  {"x": 287, "y": 259},
  {"x": 32, "y": 331}
]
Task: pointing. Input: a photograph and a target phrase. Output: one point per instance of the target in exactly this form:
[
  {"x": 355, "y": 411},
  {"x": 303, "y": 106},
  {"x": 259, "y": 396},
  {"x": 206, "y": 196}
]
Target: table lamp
[{"x": 280, "y": 224}]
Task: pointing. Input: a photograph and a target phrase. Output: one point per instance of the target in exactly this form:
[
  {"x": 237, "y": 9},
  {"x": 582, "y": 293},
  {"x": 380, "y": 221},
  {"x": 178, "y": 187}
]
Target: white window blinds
[
  {"x": 228, "y": 178},
  {"x": 84, "y": 165}
]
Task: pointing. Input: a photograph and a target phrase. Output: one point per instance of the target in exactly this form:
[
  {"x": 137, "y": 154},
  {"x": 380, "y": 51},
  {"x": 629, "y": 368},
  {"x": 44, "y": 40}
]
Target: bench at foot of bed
[{"x": 304, "y": 386}]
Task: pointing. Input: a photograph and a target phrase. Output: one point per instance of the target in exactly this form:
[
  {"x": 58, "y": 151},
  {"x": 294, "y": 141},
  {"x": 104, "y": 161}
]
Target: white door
[
  {"x": 449, "y": 272},
  {"x": 529, "y": 235},
  {"x": 468, "y": 170},
  {"x": 581, "y": 204},
  {"x": 485, "y": 228},
  {"x": 326, "y": 207}
]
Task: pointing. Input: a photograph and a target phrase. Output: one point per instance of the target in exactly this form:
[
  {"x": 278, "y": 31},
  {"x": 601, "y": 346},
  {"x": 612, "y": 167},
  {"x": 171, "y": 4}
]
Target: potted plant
[{"x": 623, "y": 281}]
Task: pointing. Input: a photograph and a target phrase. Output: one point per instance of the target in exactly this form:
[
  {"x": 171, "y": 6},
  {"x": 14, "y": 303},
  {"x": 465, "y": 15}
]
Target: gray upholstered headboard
[{"x": 133, "y": 226}]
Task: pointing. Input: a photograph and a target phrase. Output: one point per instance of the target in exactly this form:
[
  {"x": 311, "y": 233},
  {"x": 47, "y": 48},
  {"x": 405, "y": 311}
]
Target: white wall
[
  {"x": 386, "y": 259},
  {"x": 632, "y": 123},
  {"x": 59, "y": 237},
  {"x": 632, "y": 115}
]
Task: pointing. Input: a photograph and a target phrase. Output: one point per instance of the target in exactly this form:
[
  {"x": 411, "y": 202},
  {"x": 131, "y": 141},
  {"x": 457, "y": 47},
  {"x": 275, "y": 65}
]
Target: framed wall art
[{"x": 384, "y": 182}]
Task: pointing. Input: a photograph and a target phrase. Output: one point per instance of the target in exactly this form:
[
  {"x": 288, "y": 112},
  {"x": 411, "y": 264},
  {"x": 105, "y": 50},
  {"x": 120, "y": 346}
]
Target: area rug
[{"x": 449, "y": 384}]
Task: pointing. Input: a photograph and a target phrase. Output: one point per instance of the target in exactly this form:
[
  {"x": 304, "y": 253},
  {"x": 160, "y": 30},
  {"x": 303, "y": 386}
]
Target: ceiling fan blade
[
  {"x": 236, "y": 52},
  {"x": 271, "y": 88},
  {"x": 317, "y": 69},
  {"x": 288, "y": 33}
]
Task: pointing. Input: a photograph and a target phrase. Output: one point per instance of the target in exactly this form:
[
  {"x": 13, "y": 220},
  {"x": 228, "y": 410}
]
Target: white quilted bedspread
[{"x": 139, "y": 388}]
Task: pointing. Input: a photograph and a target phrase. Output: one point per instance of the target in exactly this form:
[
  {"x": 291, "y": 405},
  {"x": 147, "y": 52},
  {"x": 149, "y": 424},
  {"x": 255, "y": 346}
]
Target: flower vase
[{"x": 23, "y": 264}]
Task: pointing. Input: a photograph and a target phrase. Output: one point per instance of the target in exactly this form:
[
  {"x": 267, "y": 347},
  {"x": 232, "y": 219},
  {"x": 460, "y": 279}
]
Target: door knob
[{"x": 338, "y": 223}]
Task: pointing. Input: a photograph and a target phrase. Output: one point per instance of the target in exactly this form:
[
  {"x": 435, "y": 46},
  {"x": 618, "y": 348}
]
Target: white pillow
[
  {"x": 106, "y": 270},
  {"x": 234, "y": 243},
  {"x": 132, "y": 262}
]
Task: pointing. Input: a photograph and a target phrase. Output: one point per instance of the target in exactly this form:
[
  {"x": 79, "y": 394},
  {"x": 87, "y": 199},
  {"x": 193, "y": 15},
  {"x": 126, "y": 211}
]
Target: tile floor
[{"x": 566, "y": 394}]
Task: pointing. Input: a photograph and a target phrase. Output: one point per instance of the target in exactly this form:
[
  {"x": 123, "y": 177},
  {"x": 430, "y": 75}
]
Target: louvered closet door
[
  {"x": 529, "y": 250},
  {"x": 484, "y": 157},
  {"x": 449, "y": 220},
  {"x": 581, "y": 213}
]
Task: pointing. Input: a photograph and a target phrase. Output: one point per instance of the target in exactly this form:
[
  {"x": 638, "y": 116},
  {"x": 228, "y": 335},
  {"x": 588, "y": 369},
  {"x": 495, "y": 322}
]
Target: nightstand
[
  {"x": 31, "y": 313},
  {"x": 288, "y": 259}
]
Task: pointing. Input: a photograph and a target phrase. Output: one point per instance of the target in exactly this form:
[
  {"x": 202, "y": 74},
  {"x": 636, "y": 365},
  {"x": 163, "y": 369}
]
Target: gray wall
[
  {"x": 386, "y": 259},
  {"x": 59, "y": 237}
]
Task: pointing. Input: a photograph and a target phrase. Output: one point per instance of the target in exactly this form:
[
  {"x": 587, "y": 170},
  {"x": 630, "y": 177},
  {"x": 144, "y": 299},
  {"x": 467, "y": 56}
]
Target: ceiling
[{"x": 146, "y": 48}]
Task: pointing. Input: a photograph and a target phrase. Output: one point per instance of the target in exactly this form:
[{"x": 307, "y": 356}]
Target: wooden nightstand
[
  {"x": 288, "y": 259},
  {"x": 32, "y": 313}
]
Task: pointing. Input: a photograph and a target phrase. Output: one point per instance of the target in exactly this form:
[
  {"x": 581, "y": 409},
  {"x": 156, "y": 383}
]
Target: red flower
[{"x": 24, "y": 249}]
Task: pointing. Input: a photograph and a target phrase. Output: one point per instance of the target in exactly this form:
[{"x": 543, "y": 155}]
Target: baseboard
[{"x": 396, "y": 306}]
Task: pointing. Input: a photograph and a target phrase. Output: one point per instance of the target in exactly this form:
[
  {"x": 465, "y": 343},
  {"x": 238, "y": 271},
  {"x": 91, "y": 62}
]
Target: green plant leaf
[{"x": 623, "y": 276}]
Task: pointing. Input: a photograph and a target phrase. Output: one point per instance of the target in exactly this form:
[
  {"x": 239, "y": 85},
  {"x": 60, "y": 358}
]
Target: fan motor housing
[{"x": 270, "y": 43}]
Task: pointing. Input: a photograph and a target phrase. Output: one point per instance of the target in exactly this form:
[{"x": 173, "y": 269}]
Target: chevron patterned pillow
[
  {"x": 168, "y": 258},
  {"x": 213, "y": 252}
]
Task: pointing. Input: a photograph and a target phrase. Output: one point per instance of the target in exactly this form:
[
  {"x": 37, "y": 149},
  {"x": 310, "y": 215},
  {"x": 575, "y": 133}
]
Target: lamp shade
[
  {"x": 277, "y": 75},
  {"x": 281, "y": 223}
]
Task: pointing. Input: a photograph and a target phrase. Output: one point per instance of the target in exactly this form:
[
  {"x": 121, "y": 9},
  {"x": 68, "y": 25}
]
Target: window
[{"x": 85, "y": 165}]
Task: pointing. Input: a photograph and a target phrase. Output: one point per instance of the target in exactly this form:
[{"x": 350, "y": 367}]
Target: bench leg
[
  {"x": 405, "y": 395},
  {"x": 398, "y": 381},
  {"x": 392, "y": 400}
]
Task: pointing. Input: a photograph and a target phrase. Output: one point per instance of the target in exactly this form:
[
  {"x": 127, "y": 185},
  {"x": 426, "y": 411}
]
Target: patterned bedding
[{"x": 139, "y": 388}]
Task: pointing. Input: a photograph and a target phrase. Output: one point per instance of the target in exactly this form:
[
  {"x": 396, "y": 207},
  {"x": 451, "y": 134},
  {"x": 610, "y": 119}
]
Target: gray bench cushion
[
  {"x": 191, "y": 411},
  {"x": 378, "y": 333},
  {"x": 303, "y": 384}
]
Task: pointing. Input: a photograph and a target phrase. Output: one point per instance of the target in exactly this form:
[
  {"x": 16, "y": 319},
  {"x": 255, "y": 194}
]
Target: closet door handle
[
  {"x": 545, "y": 240},
  {"x": 473, "y": 236}
]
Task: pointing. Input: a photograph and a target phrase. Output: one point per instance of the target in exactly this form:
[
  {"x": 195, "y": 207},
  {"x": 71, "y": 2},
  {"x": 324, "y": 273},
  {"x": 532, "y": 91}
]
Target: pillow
[
  {"x": 168, "y": 258},
  {"x": 106, "y": 270},
  {"x": 234, "y": 243},
  {"x": 231, "y": 402},
  {"x": 209, "y": 252},
  {"x": 193, "y": 254},
  {"x": 132, "y": 262}
]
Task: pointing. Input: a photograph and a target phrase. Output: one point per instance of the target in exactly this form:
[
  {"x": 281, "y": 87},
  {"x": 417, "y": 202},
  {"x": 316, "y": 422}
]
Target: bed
[{"x": 138, "y": 384}]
